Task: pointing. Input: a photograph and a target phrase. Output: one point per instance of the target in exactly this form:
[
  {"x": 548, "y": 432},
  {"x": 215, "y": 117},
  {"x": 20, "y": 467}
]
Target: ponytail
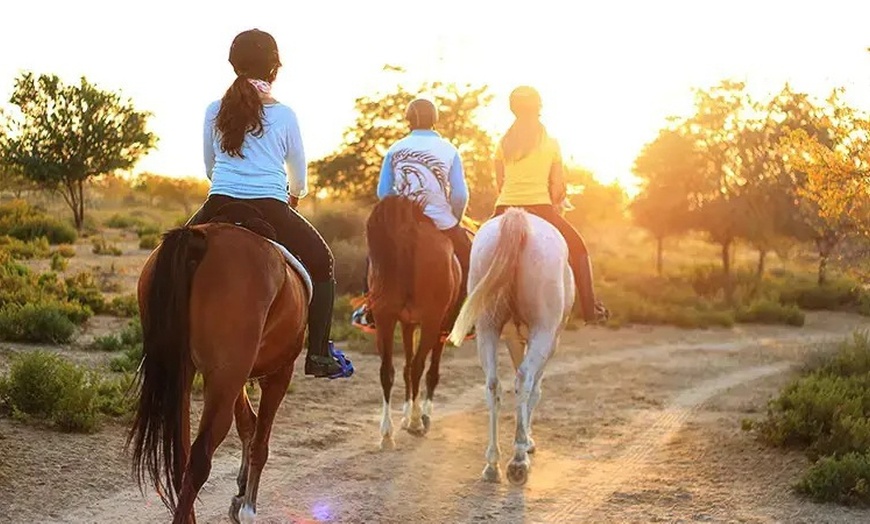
[{"x": 241, "y": 112}]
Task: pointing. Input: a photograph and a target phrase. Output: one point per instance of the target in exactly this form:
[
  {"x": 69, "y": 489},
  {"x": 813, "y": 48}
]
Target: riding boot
[
  {"x": 593, "y": 310},
  {"x": 322, "y": 359}
]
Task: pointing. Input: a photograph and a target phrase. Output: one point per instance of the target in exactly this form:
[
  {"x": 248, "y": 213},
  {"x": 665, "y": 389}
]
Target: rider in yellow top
[{"x": 528, "y": 165}]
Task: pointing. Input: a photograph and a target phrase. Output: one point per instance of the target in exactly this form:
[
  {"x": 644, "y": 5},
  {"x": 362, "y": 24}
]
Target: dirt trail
[{"x": 637, "y": 425}]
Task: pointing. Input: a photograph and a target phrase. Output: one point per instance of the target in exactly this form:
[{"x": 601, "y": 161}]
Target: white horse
[{"x": 520, "y": 285}]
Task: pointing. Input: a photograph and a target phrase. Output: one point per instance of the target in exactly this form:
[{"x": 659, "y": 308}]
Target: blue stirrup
[{"x": 343, "y": 361}]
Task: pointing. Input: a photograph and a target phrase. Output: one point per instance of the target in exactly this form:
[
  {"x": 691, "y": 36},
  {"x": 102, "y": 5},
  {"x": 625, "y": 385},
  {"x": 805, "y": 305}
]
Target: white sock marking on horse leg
[
  {"x": 427, "y": 408},
  {"x": 247, "y": 515},
  {"x": 386, "y": 420}
]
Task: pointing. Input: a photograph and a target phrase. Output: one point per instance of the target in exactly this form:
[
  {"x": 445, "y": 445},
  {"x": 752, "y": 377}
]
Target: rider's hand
[{"x": 293, "y": 201}]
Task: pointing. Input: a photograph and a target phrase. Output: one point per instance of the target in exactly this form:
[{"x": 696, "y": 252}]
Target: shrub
[
  {"x": 845, "y": 480},
  {"x": 118, "y": 221},
  {"x": 40, "y": 322},
  {"x": 58, "y": 262},
  {"x": 102, "y": 247},
  {"x": 149, "y": 241},
  {"x": 66, "y": 250},
  {"x": 341, "y": 223},
  {"x": 765, "y": 311},
  {"x": 43, "y": 386},
  {"x": 147, "y": 229},
  {"x": 21, "y": 249},
  {"x": 124, "y": 306},
  {"x": 20, "y": 220},
  {"x": 825, "y": 413},
  {"x": 84, "y": 289}
]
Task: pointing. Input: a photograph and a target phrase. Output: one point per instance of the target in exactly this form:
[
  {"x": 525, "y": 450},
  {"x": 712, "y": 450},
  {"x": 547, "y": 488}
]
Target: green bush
[
  {"x": 125, "y": 306},
  {"x": 149, "y": 241},
  {"x": 41, "y": 307},
  {"x": 765, "y": 311},
  {"x": 826, "y": 413},
  {"x": 101, "y": 246},
  {"x": 20, "y": 220},
  {"x": 118, "y": 221},
  {"x": 844, "y": 480},
  {"x": 58, "y": 262},
  {"x": 129, "y": 342},
  {"x": 148, "y": 229},
  {"x": 84, "y": 289},
  {"x": 43, "y": 386},
  {"x": 66, "y": 250},
  {"x": 21, "y": 249}
]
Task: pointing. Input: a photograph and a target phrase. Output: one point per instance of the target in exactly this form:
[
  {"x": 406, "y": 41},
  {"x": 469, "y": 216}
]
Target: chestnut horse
[
  {"x": 414, "y": 280},
  {"x": 221, "y": 300}
]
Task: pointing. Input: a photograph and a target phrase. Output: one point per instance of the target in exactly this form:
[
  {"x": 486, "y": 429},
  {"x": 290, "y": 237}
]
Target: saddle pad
[{"x": 297, "y": 266}]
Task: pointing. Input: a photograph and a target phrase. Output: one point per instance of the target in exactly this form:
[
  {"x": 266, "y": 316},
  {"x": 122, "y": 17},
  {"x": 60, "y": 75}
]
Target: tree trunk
[
  {"x": 826, "y": 245},
  {"x": 726, "y": 271},
  {"x": 80, "y": 208},
  {"x": 823, "y": 269},
  {"x": 659, "y": 254},
  {"x": 762, "y": 255}
]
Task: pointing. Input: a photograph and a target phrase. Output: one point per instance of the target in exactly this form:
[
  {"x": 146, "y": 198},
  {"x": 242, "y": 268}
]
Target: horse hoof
[
  {"x": 491, "y": 473},
  {"x": 405, "y": 423},
  {"x": 235, "y": 506},
  {"x": 427, "y": 421},
  {"x": 418, "y": 429},
  {"x": 247, "y": 515},
  {"x": 518, "y": 473},
  {"x": 532, "y": 447},
  {"x": 387, "y": 443}
]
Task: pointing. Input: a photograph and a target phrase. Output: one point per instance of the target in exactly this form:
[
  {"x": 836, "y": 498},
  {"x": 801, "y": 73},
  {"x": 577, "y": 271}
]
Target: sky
[{"x": 610, "y": 73}]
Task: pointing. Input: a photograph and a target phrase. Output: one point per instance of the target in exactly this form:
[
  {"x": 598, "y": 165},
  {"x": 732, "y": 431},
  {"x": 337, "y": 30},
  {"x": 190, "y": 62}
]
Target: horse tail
[
  {"x": 495, "y": 290},
  {"x": 391, "y": 236},
  {"x": 156, "y": 433}
]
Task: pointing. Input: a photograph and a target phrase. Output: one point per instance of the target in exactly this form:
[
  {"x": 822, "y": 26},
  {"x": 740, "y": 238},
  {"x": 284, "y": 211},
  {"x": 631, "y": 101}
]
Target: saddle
[{"x": 248, "y": 217}]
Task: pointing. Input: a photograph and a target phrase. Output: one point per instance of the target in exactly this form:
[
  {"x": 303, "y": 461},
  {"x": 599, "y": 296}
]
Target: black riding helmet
[{"x": 254, "y": 54}]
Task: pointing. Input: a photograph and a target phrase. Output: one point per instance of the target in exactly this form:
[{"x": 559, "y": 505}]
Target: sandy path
[{"x": 637, "y": 425}]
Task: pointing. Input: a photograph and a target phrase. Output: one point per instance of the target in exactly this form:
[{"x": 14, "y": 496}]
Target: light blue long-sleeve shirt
[
  {"x": 425, "y": 164},
  {"x": 273, "y": 163}
]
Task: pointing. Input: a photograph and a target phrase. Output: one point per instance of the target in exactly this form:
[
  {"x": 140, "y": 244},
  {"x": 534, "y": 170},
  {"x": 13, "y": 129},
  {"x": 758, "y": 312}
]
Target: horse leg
[
  {"x": 217, "y": 417},
  {"x": 541, "y": 343},
  {"x": 534, "y": 397},
  {"x": 273, "y": 389},
  {"x": 487, "y": 351},
  {"x": 430, "y": 334},
  {"x": 246, "y": 421},
  {"x": 432, "y": 378},
  {"x": 408, "y": 333},
  {"x": 517, "y": 349},
  {"x": 385, "y": 329}
]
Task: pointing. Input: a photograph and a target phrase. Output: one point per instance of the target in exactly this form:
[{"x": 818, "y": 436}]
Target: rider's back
[
  {"x": 262, "y": 172},
  {"x": 420, "y": 166}
]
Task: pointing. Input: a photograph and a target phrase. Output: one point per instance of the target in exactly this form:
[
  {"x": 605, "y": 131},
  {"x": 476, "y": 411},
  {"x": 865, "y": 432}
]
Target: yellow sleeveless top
[{"x": 527, "y": 181}]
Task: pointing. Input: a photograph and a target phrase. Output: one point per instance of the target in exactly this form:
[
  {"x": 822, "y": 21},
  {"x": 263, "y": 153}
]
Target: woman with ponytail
[
  {"x": 254, "y": 154},
  {"x": 528, "y": 167}
]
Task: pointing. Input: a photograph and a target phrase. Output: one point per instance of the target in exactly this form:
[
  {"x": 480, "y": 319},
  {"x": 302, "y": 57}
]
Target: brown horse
[
  {"x": 414, "y": 280},
  {"x": 221, "y": 300}
]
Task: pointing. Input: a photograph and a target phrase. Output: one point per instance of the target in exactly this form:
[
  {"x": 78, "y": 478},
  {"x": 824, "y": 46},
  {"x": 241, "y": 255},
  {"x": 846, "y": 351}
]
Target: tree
[
  {"x": 835, "y": 190},
  {"x": 724, "y": 130},
  {"x": 352, "y": 171},
  {"x": 774, "y": 216},
  {"x": 69, "y": 133},
  {"x": 669, "y": 167}
]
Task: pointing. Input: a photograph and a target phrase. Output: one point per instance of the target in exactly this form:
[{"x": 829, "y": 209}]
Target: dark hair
[
  {"x": 422, "y": 114},
  {"x": 253, "y": 55}
]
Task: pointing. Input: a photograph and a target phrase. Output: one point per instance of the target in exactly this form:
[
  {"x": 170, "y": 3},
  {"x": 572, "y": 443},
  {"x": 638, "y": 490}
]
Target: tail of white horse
[{"x": 494, "y": 290}]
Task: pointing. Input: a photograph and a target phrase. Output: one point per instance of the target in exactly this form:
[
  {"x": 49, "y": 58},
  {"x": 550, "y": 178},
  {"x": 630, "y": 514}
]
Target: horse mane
[{"x": 391, "y": 234}]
